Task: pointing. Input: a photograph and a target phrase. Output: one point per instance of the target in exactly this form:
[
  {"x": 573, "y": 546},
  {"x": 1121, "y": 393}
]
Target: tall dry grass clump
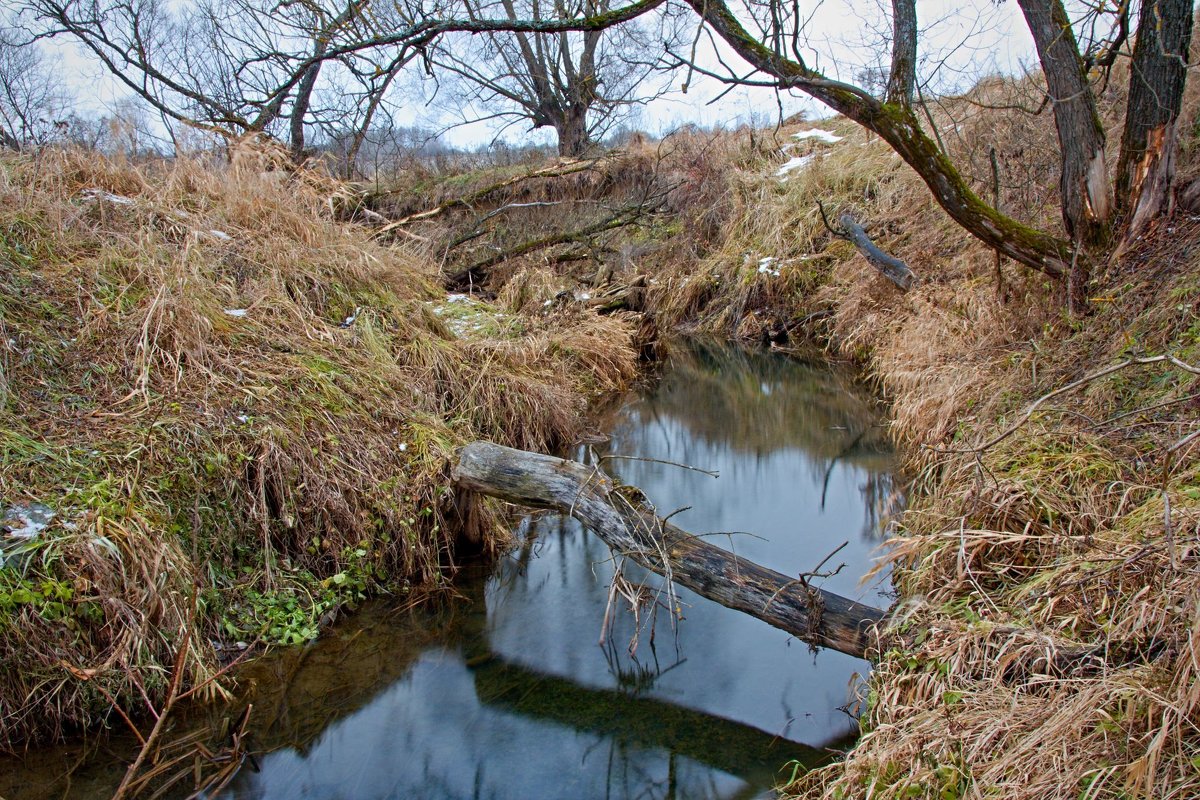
[
  {"x": 241, "y": 412},
  {"x": 1045, "y": 645}
]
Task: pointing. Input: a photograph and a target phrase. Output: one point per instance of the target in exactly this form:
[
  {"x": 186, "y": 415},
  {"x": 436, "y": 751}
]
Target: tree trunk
[
  {"x": 631, "y": 529},
  {"x": 1156, "y": 79},
  {"x": 360, "y": 135},
  {"x": 903, "y": 74},
  {"x": 304, "y": 92},
  {"x": 572, "y": 132},
  {"x": 1086, "y": 207}
]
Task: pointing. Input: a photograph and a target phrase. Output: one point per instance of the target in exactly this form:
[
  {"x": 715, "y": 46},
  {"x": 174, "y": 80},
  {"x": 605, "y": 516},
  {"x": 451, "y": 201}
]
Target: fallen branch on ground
[
  {"x": 475, "y": 274},
  {"x": 1086, "y": 379},
  {"x": 555, "y": 171}
]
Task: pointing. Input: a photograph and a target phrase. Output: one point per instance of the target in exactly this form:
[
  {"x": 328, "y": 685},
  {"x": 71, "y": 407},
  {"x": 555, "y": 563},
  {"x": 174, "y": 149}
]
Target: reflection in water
[{"x": 506, "y": 692}]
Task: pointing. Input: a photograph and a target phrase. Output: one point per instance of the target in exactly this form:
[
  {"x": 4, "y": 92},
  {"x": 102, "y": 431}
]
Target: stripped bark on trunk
[{"x": 1156, "y": 79}]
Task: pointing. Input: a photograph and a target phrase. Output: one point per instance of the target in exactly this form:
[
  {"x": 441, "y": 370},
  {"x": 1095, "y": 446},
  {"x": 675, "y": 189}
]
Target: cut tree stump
[{"x": 630, "y": 527}]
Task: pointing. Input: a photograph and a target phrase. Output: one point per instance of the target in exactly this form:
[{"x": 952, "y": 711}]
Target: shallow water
[{"x": 507, "y": 693}]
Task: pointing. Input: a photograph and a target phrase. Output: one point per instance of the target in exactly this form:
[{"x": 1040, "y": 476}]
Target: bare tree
[
  {"x": 253, "y": 66},
  {"x": 33, "y": 107},
  {"x": 582, "y": 85}
]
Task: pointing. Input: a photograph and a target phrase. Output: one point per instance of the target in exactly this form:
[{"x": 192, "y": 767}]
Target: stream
[{"x": 507, "y": 692}]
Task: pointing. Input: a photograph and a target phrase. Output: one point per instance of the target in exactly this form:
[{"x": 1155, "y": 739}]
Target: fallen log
[
  {"x": 620, "y": 517},
  {"x": 888, "y": 265}
]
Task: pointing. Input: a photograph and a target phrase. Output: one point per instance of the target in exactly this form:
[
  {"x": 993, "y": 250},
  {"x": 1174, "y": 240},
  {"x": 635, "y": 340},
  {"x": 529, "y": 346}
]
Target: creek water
[{"x": 506, "y": 691}]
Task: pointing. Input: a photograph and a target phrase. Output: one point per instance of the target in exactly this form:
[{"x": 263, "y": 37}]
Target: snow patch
[
  {"x": 798, "y": 162},
  {"x": 26, "y": 521},
  {"x": 237, "y": 312},
  {"x": 764, "y": 266},
  {"x": 819, "y": 135}
]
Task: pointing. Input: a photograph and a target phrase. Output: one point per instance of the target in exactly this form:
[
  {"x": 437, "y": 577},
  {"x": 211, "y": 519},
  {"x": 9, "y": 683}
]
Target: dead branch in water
[{"x": 632, "y": 529}]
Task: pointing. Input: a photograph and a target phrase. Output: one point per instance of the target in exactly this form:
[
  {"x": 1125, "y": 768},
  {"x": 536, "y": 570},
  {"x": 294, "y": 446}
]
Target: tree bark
[
  {"x": 304, "y": 92},
  {"x": 1146, "y": 166},
  {"x": 1086, "y": 204},
  {"x": 633, "y": 530},
  {"x": 572, "y": 132}
]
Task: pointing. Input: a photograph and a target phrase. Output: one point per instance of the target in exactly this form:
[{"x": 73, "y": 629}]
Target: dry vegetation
[
  {"x": 1073, "y": 542},
  {"x": 235, "y": 403},
  {"x": 278, "y": 455}
]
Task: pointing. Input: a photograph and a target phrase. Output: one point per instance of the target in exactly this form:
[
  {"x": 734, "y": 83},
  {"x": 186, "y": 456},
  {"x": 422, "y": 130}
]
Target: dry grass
[
  {"x": 275, "y": 460},
  {"x": 1056, "y": 539},
  {"x": 1054, "y": 543}
]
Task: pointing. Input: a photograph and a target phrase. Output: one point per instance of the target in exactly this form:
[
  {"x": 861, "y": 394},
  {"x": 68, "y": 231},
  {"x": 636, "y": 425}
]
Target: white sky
[{"x": 960, "y": 41}]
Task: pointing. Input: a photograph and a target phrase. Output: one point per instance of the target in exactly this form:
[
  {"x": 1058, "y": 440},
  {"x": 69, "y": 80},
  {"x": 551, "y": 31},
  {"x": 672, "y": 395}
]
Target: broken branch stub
[{"x": 891, "y": 267}]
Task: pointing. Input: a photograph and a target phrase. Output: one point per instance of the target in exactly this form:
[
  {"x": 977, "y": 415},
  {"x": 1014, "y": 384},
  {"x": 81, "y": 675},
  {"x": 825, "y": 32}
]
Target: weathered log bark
[
  {"x": 632, "y": 529},
  {"x": 888, "y": 265}
]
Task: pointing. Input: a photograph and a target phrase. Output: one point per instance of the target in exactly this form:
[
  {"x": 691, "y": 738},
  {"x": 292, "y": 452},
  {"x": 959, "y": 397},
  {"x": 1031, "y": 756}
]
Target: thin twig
[
  {"x": 1086, "y": 379},
  {"x": 709, "y": 472},
  {"x": 839, "y": 234}
]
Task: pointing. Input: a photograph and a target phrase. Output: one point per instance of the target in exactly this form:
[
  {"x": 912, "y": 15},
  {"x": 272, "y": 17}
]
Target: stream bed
[{"x": 507, "y": 692}]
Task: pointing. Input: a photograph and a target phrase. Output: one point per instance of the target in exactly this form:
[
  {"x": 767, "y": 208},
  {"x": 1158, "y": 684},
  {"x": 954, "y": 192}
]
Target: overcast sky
[{"x": 961, "y": 40}]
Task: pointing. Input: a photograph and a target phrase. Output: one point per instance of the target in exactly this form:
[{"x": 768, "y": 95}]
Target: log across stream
[{"x": 632, "y": 528}]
